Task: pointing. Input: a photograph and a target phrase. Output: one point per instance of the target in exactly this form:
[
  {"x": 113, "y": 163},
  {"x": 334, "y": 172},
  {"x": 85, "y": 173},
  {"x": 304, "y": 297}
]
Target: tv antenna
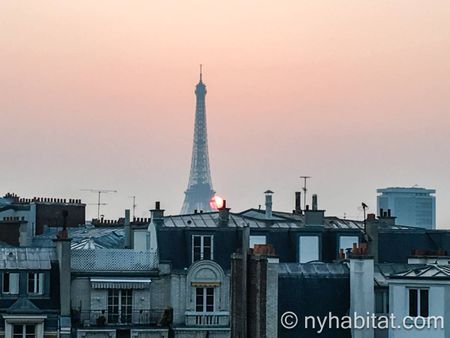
[
  {"x": 364, "y": 207},
  {"x": 99, "y": 193},
  {"x": 305, "y": 178}
]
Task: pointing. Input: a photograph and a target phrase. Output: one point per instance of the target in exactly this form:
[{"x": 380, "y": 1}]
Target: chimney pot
[
  {"x": 298, "y": 202},
  {"x": 314, "y": 202},
  {"x": 268, "y": 194}
]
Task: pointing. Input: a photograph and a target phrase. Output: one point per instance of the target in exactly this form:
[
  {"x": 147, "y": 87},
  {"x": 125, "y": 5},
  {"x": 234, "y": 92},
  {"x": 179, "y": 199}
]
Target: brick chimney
[
  {"x": 372, "y": 235},
  {"x": 224, "y": 214},
  {"x": 254, "y": 291}
]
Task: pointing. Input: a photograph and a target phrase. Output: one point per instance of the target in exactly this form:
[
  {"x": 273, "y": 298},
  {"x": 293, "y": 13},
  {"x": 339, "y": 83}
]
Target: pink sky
[{"x": 100, "y": 94}]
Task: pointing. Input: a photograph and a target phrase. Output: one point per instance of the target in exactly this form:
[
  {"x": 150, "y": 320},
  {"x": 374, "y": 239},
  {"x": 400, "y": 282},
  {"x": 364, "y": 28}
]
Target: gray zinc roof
[
  {"x": 26, "y": 258},
  {"x": 430, "y": 271},
  {"x": 313, "y": 270},
  {"x": 85, "y": 237}
]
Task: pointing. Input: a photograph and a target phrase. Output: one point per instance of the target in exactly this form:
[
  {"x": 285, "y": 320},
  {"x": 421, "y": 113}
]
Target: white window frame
[
  {"x": 38, "y": 283},
  {"x": 257, "y": 239},
  {"x": 205, "y": 300},
  {"x": 13, "y": 279},
  {"x": 419, "y": 291},
  {"x": 24, "y": 330},
  {"x": 37, "y": 320},
  {"x": 120, "y": 307},
  {"x": 202, "y": 247},
  {"x": 300, "y": 237}
]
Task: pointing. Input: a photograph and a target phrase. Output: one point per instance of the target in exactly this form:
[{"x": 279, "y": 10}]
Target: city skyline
[{"x": 99, "y": 96}]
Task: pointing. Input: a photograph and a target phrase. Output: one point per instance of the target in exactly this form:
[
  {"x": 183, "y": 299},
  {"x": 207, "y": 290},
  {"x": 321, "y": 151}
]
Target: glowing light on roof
[{"x": 216, "y": 202}]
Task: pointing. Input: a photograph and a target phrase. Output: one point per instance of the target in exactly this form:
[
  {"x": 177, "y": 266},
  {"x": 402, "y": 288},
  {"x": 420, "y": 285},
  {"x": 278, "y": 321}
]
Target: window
[
  {"x": 418, "y": 302},
  {"x": 119, "y": 306},
  {"x": 24, "y": 331},
  {"x": 346, "y": 242},
  {"x": 204, "y": 299},
  {"x": 381, "y": 301},
  {"x": 308, "y": 249},
  {"x": 260, "y": 239},
  {"x": 202, "y": 247},
  {"x": 35, "y": 283},
  {"x": 10, "y": 283}
]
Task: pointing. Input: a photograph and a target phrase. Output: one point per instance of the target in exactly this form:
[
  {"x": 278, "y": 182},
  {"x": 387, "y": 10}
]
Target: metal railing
[
  {"x": 218, "y": 318},
  {"x": 102, "y": 318}
]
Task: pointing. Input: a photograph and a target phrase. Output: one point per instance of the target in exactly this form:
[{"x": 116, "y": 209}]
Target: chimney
[
  {"x": 314, "y": 202},
  {"x": 298, "y": 203},
  {"x": 386, "y": 217},
  {"x": 63, "y": 252},
  {"x": 268, "y": 204},
  {"x": 238, "y": 306},
  {"x": 127, "y": 230},
  {"x": 314, "y": 216},
  {"x": 372, "y": 231},
  {"x": 254, "y": 291},
  {"x": 25, "y": 234},
  {"x": 224, "y": 214},
  {"x": 157, "y": 214},
  {"x": 362, "y": 296}
]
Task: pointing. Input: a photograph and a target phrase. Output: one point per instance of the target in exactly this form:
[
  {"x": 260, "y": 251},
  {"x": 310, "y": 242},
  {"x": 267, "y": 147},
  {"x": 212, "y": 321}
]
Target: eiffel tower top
[
  {"x": 200, "y": 85},
  {"x": 199, "y": 191}
]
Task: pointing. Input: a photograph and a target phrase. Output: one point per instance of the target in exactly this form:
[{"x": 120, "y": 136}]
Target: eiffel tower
[{"x": 199, "y": 190}]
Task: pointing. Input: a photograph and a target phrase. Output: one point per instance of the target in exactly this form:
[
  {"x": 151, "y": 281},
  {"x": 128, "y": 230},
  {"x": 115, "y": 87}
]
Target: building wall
[
  {"x": 9, "y": 232},
  {"x": 411, "y": 206},
  {"x": 316, "y": 296},
  {"x": 52, "y": 215},
  {"x": 399, "y": 306}
]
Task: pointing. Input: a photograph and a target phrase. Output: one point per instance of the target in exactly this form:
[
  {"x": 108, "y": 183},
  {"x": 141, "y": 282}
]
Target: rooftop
[
  {"x": 406, "y": 190},
  {"x": 113, "y": 260},
  {"x": 430, "y": 271},
  {"x": 26, "y": 258},
  {"x": 85, "y": 237},
  {"x": 314, "y": 270}
]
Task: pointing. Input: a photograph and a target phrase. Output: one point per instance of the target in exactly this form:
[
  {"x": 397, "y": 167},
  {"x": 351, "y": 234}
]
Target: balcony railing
[
  {"x": 101, "y": 318},
  {"x": 217, "y": 318}
]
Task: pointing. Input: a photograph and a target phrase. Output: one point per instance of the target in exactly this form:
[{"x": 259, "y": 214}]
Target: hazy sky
[{"x": 100, "y": 94}]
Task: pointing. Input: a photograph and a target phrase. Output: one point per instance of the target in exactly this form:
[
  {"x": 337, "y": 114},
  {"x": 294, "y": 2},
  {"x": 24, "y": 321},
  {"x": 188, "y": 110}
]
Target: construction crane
[{"x": 99, "y": 193}]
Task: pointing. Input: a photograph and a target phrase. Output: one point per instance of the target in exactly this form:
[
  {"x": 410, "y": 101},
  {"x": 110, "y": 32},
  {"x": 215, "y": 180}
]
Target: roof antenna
[
  {"x": 201, "y": 72},
  {"x": 304, "y": 189}
]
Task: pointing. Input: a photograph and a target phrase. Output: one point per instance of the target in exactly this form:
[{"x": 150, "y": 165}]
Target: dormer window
[
  {"x": 10, "y": 283},
  {"x": 347, "y": 242},
  {"x": 35, "y": 283},
  {"x": 257, "y": 239},
  {"x": 202, "y": 247},
  {"x": 309, "y": 248},
  {"x": 24, "y": 331}
]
